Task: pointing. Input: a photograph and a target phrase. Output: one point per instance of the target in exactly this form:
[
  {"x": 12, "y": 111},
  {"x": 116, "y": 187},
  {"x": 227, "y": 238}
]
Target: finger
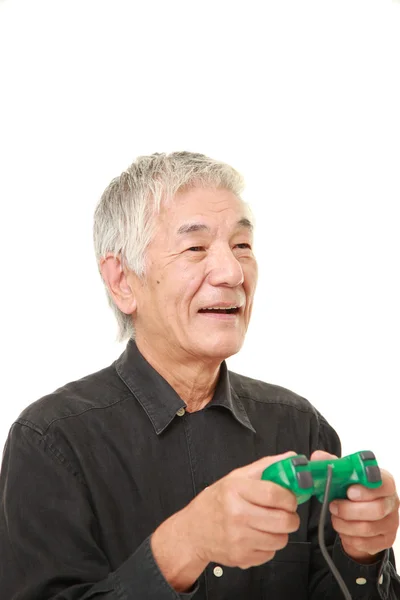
[
  {"x": 365, "y": 528},
  {"x": 272, "y": 520},
  {"x": 374, "y": 510},
  {"x": 371, "y": 546},
  {"x": 255, "y": 469},
  {"x": 264, "y": 542},
  {"x": 322, "y": 455},
  {"x": 361, "y": 493},
  {"x": 268, "y": 495}
]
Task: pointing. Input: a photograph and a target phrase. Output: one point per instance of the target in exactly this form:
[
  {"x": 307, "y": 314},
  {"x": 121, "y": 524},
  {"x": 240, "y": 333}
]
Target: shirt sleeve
[
  {"x": 49, "y": 541},
  {"x": 378, "y": 581}
]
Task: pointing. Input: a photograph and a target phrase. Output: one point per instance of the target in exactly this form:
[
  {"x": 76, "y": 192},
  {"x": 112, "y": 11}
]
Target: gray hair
[{"x": 124, "y": 222}]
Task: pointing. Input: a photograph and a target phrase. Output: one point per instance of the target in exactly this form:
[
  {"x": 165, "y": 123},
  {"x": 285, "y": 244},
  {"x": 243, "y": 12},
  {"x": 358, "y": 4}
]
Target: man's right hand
[{"x": 241, "y": 520}]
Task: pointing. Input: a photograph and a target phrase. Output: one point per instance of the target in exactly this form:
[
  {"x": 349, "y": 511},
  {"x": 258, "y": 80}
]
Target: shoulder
[
  {"x": 95, "y": 391},
  {"x": 287, "y": 404},
  {"x": 268, "y": 393}
]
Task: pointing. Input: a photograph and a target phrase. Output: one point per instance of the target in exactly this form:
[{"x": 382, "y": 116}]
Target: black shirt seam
[
  {"x": 56, "y": 454},
  {"x": 32, "y": 425},
  {"x": 307, "y": 411}
]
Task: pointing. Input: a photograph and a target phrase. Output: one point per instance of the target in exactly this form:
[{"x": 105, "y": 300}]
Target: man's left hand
[{"x": 367, "y": 523}]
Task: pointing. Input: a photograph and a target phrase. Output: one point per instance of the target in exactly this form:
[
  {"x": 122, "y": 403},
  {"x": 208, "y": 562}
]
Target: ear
[{"x": 119, "y": 283}]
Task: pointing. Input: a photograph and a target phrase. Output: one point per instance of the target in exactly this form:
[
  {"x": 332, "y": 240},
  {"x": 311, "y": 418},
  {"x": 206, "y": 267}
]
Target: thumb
[
  {"x": 322, "y": 455},
  {"x": 254, "y": 470}
]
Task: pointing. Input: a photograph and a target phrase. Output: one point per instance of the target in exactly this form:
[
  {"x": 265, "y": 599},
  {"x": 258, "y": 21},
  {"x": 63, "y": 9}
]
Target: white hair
[{"x": 124, "y": 218}]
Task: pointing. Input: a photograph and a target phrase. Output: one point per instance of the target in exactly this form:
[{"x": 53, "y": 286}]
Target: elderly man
[{"x": 142, "y": 481}]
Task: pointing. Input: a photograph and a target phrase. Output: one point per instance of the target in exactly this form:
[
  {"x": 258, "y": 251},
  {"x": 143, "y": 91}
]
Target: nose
[{"x": 225, "y": 269}]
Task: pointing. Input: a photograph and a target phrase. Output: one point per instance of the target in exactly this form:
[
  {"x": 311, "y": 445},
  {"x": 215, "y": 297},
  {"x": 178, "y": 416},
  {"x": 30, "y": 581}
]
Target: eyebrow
[{"x": 194, "y": 227}]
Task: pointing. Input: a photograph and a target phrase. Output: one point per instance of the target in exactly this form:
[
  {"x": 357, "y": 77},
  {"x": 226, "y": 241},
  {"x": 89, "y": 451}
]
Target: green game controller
[{"x": 308, "y": 478}]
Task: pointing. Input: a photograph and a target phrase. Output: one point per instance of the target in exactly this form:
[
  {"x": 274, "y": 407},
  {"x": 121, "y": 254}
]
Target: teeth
[{"x": 220, "y": 308}]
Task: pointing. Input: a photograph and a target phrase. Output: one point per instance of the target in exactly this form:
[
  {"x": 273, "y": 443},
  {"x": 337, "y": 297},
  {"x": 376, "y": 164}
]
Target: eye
[{"x": 201, "y": 248}]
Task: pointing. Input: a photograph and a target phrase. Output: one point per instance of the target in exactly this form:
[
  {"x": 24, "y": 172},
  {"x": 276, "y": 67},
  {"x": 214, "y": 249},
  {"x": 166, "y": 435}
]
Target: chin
[{"x": 222, "y": 348}]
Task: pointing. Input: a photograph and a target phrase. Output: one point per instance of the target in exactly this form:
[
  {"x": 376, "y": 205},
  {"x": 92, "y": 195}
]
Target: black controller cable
[{"x": 321, "y": 539}]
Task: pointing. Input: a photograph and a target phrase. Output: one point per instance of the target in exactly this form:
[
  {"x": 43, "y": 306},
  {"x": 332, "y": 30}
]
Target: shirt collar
[{"x": 159, "y": 399}]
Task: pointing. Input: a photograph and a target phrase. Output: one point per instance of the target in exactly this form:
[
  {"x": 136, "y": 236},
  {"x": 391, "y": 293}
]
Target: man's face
[{"x": 201, "y": 256}]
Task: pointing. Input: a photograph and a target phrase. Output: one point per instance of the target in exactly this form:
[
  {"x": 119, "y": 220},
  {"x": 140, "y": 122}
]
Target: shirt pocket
[{"x": 286, "y": 575}]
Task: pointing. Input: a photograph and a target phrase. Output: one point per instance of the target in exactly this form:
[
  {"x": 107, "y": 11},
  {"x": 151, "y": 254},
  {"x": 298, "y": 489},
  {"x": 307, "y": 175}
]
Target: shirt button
[
  {"x": 218, "y": 571},
  {"x": 380, "y": 580},
  {"x": 361, "y": 581},
  {"x": 181, "y": 412}
]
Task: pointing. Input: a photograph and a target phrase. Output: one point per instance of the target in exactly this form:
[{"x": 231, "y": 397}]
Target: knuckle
[
  {"x": 233, "y": 508},
  {"x": 295, "y": 522},
  {"x": 269, "y": 555},
  {"x": 280, "y": 541},
  {"x": 338, "y": 525},
  {"x": 271, "y": 493},
  {"x": 291, "y": 501},
  {"x": 287, "y": 500},
  {"x": 388, "y": 540},
  {"x": 280, "y": 497},
  {"x": 389, "y": 481},
  {"x": 290, "y": 522},
  {"x": 234, "y": 512},
  {"x": 392, "y": 504},
  {"x": 382, "y": 508},
  {"x": 229, "y": 485},
  {"x": 366, "y": 529}
]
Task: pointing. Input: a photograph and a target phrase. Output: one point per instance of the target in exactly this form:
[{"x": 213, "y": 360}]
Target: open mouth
[{"x": 226, "y": 311}]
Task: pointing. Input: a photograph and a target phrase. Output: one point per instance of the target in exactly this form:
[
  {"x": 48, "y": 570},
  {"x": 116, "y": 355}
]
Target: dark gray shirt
[{"x": 91, "y": 470}]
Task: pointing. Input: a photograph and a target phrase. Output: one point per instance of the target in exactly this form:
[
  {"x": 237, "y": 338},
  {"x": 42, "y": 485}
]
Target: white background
[{"x": 302, "y": 97}]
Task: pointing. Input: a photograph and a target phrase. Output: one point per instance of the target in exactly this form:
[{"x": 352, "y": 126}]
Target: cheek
[
  {"x": 250, "y": 280},
  {"x": 177, "y": 293},
  {"x": 189, "y": 279},
  {"x": 190, "y": 289}
]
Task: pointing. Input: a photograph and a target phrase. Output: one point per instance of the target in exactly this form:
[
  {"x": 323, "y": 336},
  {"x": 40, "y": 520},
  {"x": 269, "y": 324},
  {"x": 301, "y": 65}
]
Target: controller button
[
  {"x": 373, "y": 473},
  {"x": 367, "y": 455},
  {"x": 305, "y": 480},
  {"x": 299, "y": 461}
]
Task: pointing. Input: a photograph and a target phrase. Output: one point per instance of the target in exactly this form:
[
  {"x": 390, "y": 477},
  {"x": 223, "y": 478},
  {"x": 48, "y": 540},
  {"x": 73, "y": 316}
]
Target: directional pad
[
  {"x": 373, "y": 473},
  {"x": 305, "y": 480},
  {"x": 367, "y": 455}
]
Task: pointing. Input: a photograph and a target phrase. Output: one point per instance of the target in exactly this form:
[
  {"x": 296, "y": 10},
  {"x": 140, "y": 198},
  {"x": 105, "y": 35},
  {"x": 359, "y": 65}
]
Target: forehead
[{"x": 205, "y": 209}]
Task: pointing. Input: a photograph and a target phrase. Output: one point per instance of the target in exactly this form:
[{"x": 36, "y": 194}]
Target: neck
[{"x": 193, "y": 380}]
